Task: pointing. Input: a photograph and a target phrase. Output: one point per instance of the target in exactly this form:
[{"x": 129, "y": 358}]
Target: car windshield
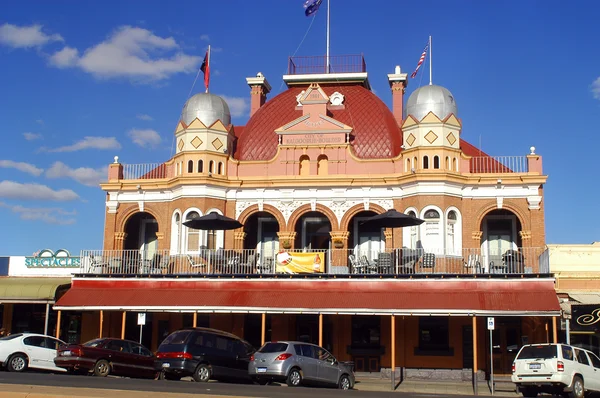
[
  {"x": 273, "y": 347},
  {"x": 94, "y": 343},
  {"x": 12, "y": 336},
  {"x": 177, "y": 337},
  {"x": 538, "y": 352}
]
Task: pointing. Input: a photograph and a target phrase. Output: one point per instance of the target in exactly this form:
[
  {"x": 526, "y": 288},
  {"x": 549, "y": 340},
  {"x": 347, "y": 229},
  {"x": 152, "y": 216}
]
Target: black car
[{"x": 204, "y": 354}]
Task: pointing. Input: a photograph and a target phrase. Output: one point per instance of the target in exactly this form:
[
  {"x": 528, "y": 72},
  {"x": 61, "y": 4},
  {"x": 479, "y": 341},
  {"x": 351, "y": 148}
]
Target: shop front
[{"x": 585, "y": 326}]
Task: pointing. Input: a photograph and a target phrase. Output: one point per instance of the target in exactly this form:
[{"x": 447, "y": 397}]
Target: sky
[{"x": 82, "y": 82}]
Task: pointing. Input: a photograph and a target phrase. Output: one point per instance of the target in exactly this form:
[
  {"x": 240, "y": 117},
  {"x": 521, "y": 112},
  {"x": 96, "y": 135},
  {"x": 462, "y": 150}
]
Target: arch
[
  {"x": 190, "y": 166},
  {"x": 306, "y": 208},
  {"x": 415, "y": 163},
  {"x": 177, "y": 168},
  {"x": 176, "y": 223},
  {"x": 211, "y": 166},
  {"x": 200, "y": 166},
  {"x": 126, "y": 214},
  {"x": 505, "y": 206},
  {"x": 272, "y": 210},
  {"x": 304, "y": 169},
  {"x": 436, "y": 162},
  {"x": 322, "y": 165},
  {"x": 407, "y": 165},
  {"x": 425, "y": 162},
  {"x": 447, "y": 162},
  {"x": 220, "y": 168},
  {"x": 354, "y": 210},
  {"x": 453, "y": 238},
  {"x": 454, "y": 164}
]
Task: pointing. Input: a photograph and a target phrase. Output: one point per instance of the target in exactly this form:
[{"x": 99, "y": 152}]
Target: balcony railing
[
  {"x": 146, "y": 171},
  {"x": 527, "y": 260},
  {"x": 498, "y": 164},
  {"x": 318, "y": 64}
]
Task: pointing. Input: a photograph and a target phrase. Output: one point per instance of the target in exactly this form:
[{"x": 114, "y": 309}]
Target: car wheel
[
  {"x": 529, "y": 392},
  {"x": 17, "y": 363},
  {"x": 578, "y": 388},
  {"x": 203, "y": 373},
  {"x": 102, "y": 368},
  {"x": 344, "y": 383},
  {"x": 294, "y": 378}
]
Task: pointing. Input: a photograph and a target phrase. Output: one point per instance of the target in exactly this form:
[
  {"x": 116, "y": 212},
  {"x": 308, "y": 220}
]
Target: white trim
[
  {"x": 457, "y": 249},
  {"x": 439, "y": 241},
  {"x": 176, "y": 237},
  {"x": 406, "y": 237}
]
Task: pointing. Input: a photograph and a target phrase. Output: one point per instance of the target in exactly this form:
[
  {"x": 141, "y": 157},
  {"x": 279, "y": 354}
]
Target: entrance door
[
  {"x": 506, "y": 341},
  {"x": 148, "y": 239}
]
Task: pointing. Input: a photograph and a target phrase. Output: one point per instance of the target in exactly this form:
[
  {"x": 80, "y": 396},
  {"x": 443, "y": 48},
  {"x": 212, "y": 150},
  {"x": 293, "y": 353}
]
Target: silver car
[{"x": 298, "y": 363}]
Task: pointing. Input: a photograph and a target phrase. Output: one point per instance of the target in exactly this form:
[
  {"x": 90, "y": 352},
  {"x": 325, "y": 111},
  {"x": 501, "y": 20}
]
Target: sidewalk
[{"x": 502, "y": 389}]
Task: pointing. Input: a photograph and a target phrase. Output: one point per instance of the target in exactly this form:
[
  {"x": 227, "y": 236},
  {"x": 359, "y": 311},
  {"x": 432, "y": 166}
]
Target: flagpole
[
  {"x": 208, "y": 67},
  {"x": 430, "y": 58},
  {"x": 327, "y": 36}
]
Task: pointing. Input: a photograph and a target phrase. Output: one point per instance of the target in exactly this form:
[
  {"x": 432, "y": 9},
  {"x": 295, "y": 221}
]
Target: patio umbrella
[
  {"x": 213, "y": 222},
  {"x": 392, "y": 219}
]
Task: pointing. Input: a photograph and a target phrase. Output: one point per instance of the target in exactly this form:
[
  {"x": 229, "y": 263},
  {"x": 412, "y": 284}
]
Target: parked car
[
  {"x": 555, "y": 369},
  {"x": 297, "y": 363},
  {"x": 204, "y": 354},
  {"x": 29, "y": 350},
  {"x": 107, "y": 356}
]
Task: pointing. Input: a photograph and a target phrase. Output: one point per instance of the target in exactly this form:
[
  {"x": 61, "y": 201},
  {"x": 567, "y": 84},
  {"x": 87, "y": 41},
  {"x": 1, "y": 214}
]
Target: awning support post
[
  {"x": 46, "y": 320},
  {"x": 554, "y": 331},
  {"x": 475, "y": 381},
  {"x": 320, "y": 330},
  {"x": 393, "y": 337},
  {"x": 58, "y": 324},
  {"x": 263, "y": 328},
  {"x": 195, "y": 323},
  {"x": 101, "y": 322},
  {"x": 123, "y": 320}
]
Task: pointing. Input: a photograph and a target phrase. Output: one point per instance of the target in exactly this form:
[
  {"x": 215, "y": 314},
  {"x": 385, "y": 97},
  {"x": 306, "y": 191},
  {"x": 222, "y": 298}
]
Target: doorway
[{"x": 506, "y": 342}]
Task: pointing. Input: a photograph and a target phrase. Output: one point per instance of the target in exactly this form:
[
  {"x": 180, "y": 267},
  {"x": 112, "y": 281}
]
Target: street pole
[
  {"x": 141, "y": 326},
  {"x": 491, "y": 362}
]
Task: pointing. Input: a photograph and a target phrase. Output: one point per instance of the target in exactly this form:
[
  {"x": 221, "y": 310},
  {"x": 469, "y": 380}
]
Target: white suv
[{"x": 554, "y": 369}]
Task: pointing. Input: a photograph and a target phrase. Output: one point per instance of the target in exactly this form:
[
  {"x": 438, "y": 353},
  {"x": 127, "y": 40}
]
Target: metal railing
[
  {"x": 403, "y": 261},
  {"x": 498, "y": 164},
  {"x": 146, "y": 171},
  {"x": 318, "y": 64}
]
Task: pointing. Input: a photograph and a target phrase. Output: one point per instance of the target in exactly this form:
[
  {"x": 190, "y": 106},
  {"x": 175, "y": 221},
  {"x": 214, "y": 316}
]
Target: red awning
[{"x": 341, "y": 296}]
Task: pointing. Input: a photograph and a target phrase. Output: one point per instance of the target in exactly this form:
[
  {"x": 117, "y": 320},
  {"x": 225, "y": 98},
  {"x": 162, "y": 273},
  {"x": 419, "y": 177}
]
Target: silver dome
[
  {"x": 208, "y": 108},
  {"x": 436, "y": 99}
]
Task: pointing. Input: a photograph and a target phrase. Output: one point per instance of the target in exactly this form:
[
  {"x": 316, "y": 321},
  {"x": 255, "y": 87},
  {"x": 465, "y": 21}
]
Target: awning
[
  {"x": 585, "y": 298},
  {"x": 30, "y": 290},
  {"x": 336, "y": 296}
]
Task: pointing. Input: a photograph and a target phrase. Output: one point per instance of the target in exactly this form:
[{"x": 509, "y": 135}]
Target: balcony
[
  {"x": 335, "y": 263},
  {"x": 318, "y": 64},
  {"x": 147, "y": 171},
  {"x": 499, "y": 164}
]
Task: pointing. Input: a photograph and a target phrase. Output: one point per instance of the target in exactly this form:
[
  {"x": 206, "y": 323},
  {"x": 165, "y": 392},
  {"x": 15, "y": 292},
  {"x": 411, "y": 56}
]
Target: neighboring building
[
  {"x": 577, "y": 272},
  {"x": 302, "y": 175}
]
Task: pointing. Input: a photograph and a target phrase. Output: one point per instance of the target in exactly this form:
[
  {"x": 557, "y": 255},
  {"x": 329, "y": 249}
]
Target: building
[{"x": 307, "y": 169}]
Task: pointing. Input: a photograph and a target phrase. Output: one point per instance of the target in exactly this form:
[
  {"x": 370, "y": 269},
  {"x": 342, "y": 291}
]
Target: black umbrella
[
  {"x": 392, "y": 219},
  {"x": 213, "y": 222}
]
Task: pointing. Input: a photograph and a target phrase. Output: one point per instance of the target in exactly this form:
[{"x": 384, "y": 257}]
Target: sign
[
  {"x": 490, "y": 323},
  {"x": 314, "y": 139},
  {"x": 300, "y": 262},
  {"x": 142, "y": 318},
  {"x": 48, "y": 259},
  {"x": 586, "y": 318}
]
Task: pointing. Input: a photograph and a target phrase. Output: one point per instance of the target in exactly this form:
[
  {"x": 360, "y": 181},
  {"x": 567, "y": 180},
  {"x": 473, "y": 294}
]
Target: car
[
  {"x": 556, "y": 369},
  {"x": 21, "y": 351},
  {"x": 204, "y": 354},
  {"x": 107, "y": 356},
  {"x": 299, "y": 363}
]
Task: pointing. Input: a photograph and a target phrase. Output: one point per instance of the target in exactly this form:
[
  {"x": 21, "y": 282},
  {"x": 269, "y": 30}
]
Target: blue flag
[{"x": 311, "y": 6}]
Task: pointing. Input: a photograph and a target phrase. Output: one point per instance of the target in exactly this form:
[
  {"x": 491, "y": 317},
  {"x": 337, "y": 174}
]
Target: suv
[
  {"x": 555, "y": 368},
  {"x": 296, "y": 362},
  {"x": 203, "y": 354}
]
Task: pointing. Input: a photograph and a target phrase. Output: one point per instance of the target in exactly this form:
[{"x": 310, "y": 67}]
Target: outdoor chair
[
  {"x": 384, "y": 263},
  {"x": 473, "y": 264},
  {"x": 355, "y": 265},
  {"x": 366, "y": 266},
  {"x": 97, "y": 265},
  {"x": 410, "y": 258},
  {"x": 160, "y": 264},
  {"x": 264, "y": 265},
  {"x": 197, "y": 267},
  {"x": 428, "y": 261}
]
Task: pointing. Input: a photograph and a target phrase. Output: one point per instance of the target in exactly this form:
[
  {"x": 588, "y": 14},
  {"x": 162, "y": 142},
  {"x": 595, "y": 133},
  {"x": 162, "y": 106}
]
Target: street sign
[
  {"x": 142, "y": 318},
  {"x": 490, "y": 323}
]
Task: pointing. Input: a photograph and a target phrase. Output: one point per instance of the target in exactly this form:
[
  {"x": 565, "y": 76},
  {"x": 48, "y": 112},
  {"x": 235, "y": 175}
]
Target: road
[{"x": 186, "y": 387}]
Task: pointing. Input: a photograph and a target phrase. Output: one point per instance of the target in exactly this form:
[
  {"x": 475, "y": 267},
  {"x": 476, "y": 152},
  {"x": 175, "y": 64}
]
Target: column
[
  {"x": 263, "y": 328},
  {"x": 195, "y": 323},
  {"x": 320, "y": 330},
  {"x": 393, "y": 337},
  {"x": 58, "y": 324},
  {"x": 475, "y": 355},
  {"x": 119, "y": 239},
  {"x": 46, "y": 320},
  {"x": 101, "y": 322},
  {"x": 554, "y": 331},
  {"x": 286, "y": 239},
  {"x": 339, "y": 255},
  {"x": 123, "y": 322},
  {"x": 239, "y": 238}
]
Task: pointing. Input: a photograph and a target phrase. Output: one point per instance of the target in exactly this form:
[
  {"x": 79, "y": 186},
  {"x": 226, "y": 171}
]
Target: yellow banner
[{"x": 300, "y": 262}]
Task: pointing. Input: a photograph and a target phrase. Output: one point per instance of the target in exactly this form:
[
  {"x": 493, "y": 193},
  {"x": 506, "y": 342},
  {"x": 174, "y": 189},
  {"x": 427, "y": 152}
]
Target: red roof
[
  {"x": 376, "y": 133},
  {"x": 398, "y": 296}
]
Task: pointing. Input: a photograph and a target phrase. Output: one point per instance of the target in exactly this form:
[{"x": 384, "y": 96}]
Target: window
[
  {"x": 94, "y": 343},
  {"x": 595, "y": 360},
  {"x": 193, "y": 235},
  {"x": 366, "y": 331},
  {"x": 271, "y": 348},
  {"x": 34, "y": 341},
  {"x": 190, "y": 166},
  {"x": 140, "y": 350},
  {"x": 434, "y": 336},
  {"x": 538, "y": 351},
  {"x": 436, "y": 162},
  {"x": 53, "y": 344},
  {"x": 307, "y": 351},
  {"x": 447, "y": 163},
  {"x": 322, "y": 165},
  {"x": 415, "y": 163},
  {"x": 220, "y": 170},
  {"x": 200, "y": 166},
  {"x": 567, "y": 353},
  {"x": 425, "y": 162},
  {"x": 176, "y": 234},
  {"x": 432, "y": 237},
  {"x": 407, "y": 165},
  {"x": 454, "y": 164},
  {"x": 409, "y": 239},
  {"x": 211, "y": 167},
  {"x": 581, "y": 357},
  {"x": 118, "y": 345},
  {"x": 304, "y": 165},
  {"x": 453, "y": 234}
]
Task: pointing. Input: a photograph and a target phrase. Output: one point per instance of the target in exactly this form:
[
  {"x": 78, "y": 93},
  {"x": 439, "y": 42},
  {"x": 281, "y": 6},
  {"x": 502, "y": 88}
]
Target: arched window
[
  {"x": 177, "y": 168},
  {"x": 190, "y": 166},
  {"x": 193, "y": 235},
  {"x": 436, "y": 162},
  {"x": 425, "y": 162},
  {"x": 447, "y": 162},
  {"x": 176, "y": 234},
  {"x": 407, "y": 165},
  {"x": 414, "y": 233},
  {"x": 453, "y": 240},
  {"x": 431, "y": 237},
  {"x": 414, "y": 163},
  {"x": 304, "y": 165},
  {"x": 454, "y": 164},
  {"x": 211, "y": 167},
  {"x": 200, "y": 166},
  {"x": 322, "y": 165},
  {"x": 220, "y": 168}
]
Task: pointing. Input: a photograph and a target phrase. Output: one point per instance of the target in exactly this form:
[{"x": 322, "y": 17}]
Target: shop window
[
  {"x": 190, "y": 166},
  {"x": 366, "y": 331},
  {"x": 200, "y": 166},
  {"x": 436, "y": 162},
  {"x": 434, "y": 337}
]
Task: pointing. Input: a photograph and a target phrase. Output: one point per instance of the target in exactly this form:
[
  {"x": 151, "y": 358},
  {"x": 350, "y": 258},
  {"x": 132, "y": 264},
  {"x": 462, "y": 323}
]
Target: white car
[
  {"x": 556, "y": 369},
  {"x": 29, "y": 350}
]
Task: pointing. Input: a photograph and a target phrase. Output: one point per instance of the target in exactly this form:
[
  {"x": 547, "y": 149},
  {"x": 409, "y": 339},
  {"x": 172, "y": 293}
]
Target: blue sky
[{"x": 81, "y": 82}]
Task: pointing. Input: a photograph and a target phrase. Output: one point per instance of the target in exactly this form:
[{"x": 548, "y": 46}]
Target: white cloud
[
  {"x": 596, "y": 88},
  {"x": 49, "y": 215},
  {"x": 238, "y": 106},
  {"x": 88, "y": 143},
  {"x": 130, "y": 52},
  {"x": 32, "y": 136},
  {"x": 28, "y": 191},
  {"x": 40, "y": 122},
  {"x": 145, "y": 138},
  {"x": 21, "y": 166},
  {"x": 25, "y": 36},
  {"x": 204, "y": 38},
  {"x": 83, "y": 175},
  {"x": 145, "y": 117}
]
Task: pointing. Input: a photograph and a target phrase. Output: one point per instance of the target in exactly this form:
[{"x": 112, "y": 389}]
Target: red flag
[
  {"x": 421, "y": 60},
  {"x": 205, "y": 68}
]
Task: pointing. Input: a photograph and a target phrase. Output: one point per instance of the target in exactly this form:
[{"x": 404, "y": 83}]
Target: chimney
[
  {"x": 259, "y": 88},
  {"x": 398, "y": 83}
]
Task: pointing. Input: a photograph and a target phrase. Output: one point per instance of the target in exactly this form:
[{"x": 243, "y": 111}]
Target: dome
[
  {"x": 208, "y": 108},
  {"x": 376, "y": 134},
  {"x": 436, "y": 99}
]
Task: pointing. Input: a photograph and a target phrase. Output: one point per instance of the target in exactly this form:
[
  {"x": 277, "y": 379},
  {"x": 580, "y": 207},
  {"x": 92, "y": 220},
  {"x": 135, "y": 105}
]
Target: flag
[
  {"x": 311, "y": 6},
  {"x": 421, "y": 60},
  {"x": 205, "y": 68}
]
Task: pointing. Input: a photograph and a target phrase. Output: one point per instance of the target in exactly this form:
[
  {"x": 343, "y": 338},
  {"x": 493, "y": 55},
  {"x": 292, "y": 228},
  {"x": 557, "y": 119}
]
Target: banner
[{"x": 300, "y": 262}]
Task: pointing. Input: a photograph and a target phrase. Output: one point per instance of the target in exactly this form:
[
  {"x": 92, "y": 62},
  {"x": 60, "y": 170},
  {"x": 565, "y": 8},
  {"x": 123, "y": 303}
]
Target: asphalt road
[{"x": 188, "y": 387}]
